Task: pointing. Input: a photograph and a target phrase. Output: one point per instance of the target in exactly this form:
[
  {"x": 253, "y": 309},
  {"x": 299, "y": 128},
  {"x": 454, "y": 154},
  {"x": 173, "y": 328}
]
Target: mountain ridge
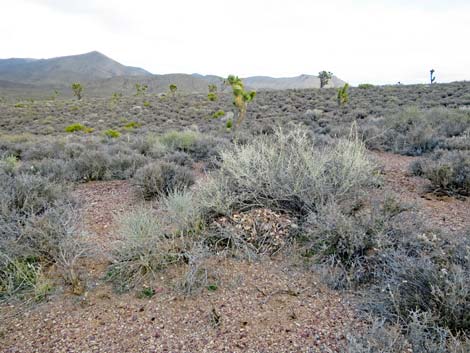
[{"x": 100, "y": 75}]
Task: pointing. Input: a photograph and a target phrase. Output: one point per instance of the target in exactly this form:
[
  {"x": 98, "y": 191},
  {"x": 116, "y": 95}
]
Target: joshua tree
[
  {"x": 116, "y": 97},
  {"x": 140, "y": 89},
  {"x": 77, "y": 89},
  {"x": 173, "y": 89},
  {"x": 212, "y": 88},
  {"x": 325, "y": 77},
  {"x": 343, "y": 96},
  {"x": 241, "y": 98},
  {"x": 433, "y": 77},
  {"x": 212, "y": 95}
]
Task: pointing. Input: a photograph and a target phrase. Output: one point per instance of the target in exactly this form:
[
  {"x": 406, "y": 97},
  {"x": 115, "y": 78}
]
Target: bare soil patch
[{"x": 445, "y": 212}]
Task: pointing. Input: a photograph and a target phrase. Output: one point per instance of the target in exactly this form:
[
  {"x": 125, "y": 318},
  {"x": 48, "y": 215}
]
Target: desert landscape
[
  {"x": 151, "y": 222},
  {"x": 227, "y": 192}
]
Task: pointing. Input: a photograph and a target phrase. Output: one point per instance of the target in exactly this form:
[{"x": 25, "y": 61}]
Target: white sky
[{"x": 381, "y": 41}]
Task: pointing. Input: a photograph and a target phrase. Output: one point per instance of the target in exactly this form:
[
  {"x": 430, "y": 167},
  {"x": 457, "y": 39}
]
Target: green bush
[
  {"x": 180, "y": 140},
  {"x": 78, "y": 127},
  {"x": 132, "y": 125},
  {"x": 365, "y": 86},
  {"x": 112, "y": 133},
  {"x": 9, "y": 164},
  {"x": 218, "y": 114},
  {"x": 212, "y": 96}
]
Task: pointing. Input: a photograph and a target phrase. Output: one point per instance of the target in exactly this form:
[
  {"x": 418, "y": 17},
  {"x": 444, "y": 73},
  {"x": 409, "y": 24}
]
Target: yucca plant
[
  {"x": 77, "y": 89},
  {"x": 173, "y": 89},
  {"x": 241, "y": 98},
  {"x": 343, "y": 96},
  {"x": 325, "y": 77}
]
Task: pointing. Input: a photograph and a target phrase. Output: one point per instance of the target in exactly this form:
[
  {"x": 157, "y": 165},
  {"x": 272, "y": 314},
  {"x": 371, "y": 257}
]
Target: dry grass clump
[{"x": 145, "y": 248}]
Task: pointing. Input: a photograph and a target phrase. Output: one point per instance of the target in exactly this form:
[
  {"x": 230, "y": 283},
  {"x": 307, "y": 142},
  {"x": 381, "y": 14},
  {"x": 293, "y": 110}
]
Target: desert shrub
[
  {"x": 349, "y": 244},
  {"x": 72, "y": 150},
  {"x": 124, "y": 162},
  {"x": 9, "y": 164},
  {"x": 218, "y": 114},
  {"x": 180, "y": 158},
  {"x": 91, "y": 161},
  {"x": 41, "y": 149},
  {"x": 91, "y": 165},
  {"x": 28, "y": 194},
  {"x": 206, "y": 149},
  {"x": 435, "y": 286},
  {"x": 199, "y": 147},
  {"x": 415, "y": 132},
  {"x": 143, "y": 250},
  {"x": 449, "y": 172},
  {"x": 365, "y": 86},
  {"x": 179, "y": 140},
  {"x": 132, "y": 125},
  {"x": 212, "y": 96},
  {"x": 112, "y": 133},
  {"x": 199, "y": 273},
  {"x": 419, "y": 336},
  {"x": 286, "y": 172},
  {"x": 37, "y": 224},
  {"x": 78, "y": 127},
  {"x": 461, "y": 142},
  {"x": 55, "y": 239},
  {"x": 149, "y": 145},
  {"x": 22, "y": 276},
  {"x": 56, "y": 170},
  {"x": 378, "y": 337},
  {"x": 161, "y": 178}
]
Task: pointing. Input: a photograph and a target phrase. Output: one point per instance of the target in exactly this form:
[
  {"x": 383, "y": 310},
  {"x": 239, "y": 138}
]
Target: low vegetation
[
  {"x": 297, "y": 181},
  {"x": 162, "y": 178}
]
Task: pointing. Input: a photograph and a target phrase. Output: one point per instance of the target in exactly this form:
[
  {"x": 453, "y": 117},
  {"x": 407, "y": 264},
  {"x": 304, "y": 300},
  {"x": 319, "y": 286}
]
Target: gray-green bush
[
  {"x": 161, "y": 178},
  {"x": 288, "y": 173}
]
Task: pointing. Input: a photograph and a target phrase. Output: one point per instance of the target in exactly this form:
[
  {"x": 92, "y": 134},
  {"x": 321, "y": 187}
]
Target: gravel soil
[
  {"x": 265, "y": 306},
  {"x": 259, "y": 307}
]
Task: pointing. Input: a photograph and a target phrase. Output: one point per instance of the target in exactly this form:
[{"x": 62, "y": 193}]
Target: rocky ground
[{"x": 274, "y": 305}]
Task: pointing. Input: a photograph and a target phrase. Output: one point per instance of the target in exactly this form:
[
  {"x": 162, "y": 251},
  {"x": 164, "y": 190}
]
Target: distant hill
[
  {"x": 302, "y": 81},
  {"x": 64, "y": 70},
  {"x": 101, "y": 76}
]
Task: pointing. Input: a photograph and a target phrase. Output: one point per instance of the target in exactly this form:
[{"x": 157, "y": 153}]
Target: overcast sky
[{"x": 376, "y": 41}]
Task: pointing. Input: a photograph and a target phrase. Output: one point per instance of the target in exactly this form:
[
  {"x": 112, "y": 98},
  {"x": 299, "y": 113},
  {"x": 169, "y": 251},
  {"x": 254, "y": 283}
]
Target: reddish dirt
[
  {"x": 448, "y": 213},
  {"x": 259, "y": 307},
  {"x": 101, "y": 202}
]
